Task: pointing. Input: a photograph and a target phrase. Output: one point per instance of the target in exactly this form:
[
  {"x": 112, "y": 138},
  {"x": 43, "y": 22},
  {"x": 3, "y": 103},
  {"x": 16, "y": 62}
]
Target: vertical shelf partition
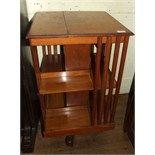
[{"x": 78, "y": 90}]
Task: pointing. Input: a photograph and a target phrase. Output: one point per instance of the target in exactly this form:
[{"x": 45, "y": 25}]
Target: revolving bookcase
[{"x": 78, "y": 75}]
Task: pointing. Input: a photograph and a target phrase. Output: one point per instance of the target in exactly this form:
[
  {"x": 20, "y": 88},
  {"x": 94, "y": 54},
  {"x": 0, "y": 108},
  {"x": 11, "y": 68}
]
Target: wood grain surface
[{"x": 78, "y": 23}]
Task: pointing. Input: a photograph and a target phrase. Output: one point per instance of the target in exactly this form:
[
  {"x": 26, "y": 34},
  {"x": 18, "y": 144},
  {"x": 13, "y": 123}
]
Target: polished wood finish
[
  {"x": 58, "y": 82},
  {"x": 69, "y": 40},
  {"x": 73, "y": 84},
  {"x": 67, "y": 118},
  {"x": 74, "y": 53},
  {"x": 93, "y": 58},
  {"x": 87, "y": 23},
  {"x": 96, "y": 80},
  {"x": 47, "y": 24},
  {"x": 77, "y": 98},
  {"x": 106, "y": 60},
  {"x": 53, "y": 101},
  {"x": 52, "y": 63}
]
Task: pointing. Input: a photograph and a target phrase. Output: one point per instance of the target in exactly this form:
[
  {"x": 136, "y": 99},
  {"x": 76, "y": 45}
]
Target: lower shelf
[
  {"x": 79, "y": 131},
  {"x": 67, "y": 118}
]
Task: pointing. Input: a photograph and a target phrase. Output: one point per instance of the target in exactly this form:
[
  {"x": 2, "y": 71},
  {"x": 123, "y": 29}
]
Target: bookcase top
[{"x": 74, "y": 23}]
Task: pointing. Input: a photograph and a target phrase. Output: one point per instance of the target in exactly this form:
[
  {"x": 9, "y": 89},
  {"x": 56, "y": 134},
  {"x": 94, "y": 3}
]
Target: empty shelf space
[
  {"x": 52, "y": 63},
  {"x": 69, "y": 81},
  {"x": 55, "y": 100},
  {"x": 67, "y": 118}
]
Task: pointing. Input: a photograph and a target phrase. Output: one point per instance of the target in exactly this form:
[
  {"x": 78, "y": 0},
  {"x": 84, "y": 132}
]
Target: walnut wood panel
[
  {"x": 75, "y": 23},
  {"x": 77, "y": 98},
  {"x": 88, "y": 22},
  {"x": 64, "y": 73},
  {"x": 68, "y": 117},
  {"x": 52, "y": 63},
  {"x": 55, "y": 100},
  {"x": 47, "y": 24},
  {"x": 65, "y": 82},
  {"x": 77, "y": 57}
]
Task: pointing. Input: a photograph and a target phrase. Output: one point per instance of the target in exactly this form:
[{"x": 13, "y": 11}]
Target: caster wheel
[{"x": 69, "y": 140}]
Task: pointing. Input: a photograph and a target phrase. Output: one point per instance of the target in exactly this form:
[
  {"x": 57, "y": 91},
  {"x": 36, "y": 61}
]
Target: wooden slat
[
  {"x": 36, "y": 64},
  {"x": 121, "y": 68},
  {"x": 96, "y": 79},
  {"x": 104, "y": 78},
  {"x": 112, "y": 78},
  {"x": 44, "y": 50},
  {"x": 55, "y": 50},
  {"x": 93, "y": 57},
  {"x": 55, "y": 100},
  {"x": 49, "y": 50}
]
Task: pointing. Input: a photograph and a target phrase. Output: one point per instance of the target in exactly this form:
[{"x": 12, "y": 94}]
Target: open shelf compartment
[
  {"x": 68, "y": 81},
  {"x": 67, "y": 118}
]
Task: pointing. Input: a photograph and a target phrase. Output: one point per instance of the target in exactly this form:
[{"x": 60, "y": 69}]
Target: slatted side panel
[
  {"x": 112, "y": 78},
  {"x": 119, "y": 79},
  {"x": 108, "y": 101}
]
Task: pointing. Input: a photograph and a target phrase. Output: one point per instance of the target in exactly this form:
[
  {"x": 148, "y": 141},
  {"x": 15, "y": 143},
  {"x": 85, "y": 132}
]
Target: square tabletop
[{"x": 74, "y": 23}]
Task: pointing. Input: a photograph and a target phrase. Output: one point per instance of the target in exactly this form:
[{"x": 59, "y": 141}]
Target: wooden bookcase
[{"x": 78, "y": 90}]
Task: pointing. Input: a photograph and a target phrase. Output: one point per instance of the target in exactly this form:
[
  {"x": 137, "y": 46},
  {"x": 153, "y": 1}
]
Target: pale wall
[{"x": 122, "y": 10}]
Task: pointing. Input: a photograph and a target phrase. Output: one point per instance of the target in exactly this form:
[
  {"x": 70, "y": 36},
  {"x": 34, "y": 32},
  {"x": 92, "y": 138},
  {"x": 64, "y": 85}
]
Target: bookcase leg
[{"x": 69, "y": 140}]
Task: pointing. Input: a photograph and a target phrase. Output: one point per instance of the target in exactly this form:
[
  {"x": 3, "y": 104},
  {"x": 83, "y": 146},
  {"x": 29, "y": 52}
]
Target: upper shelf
[{"x": 74, "y": 23}]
